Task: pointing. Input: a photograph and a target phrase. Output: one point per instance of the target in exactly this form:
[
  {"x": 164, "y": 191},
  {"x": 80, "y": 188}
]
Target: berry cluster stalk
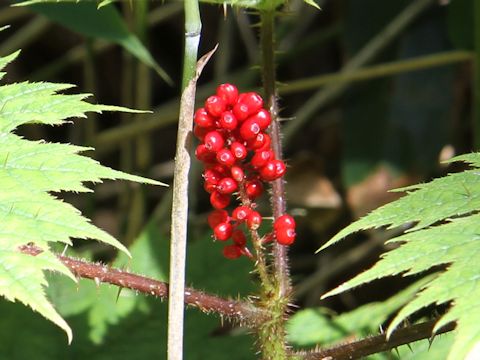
[{"x": 272, "y": 334}]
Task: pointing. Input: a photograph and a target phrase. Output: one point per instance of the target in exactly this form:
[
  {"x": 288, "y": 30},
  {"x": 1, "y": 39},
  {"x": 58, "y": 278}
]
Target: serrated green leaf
[
  {"x": 447, "y": 232},
  {"x": 314, "y": 327},
  {"x": 102, "y": 22},
  {"x": 29, "y": 172}
]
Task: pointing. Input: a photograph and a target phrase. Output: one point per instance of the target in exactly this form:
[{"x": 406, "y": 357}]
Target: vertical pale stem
[{"x": 178, "y": 239}]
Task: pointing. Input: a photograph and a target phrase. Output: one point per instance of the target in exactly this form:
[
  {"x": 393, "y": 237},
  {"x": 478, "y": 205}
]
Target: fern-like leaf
[
  {"x": 446, "y": 232},
  {"x": 29, "y": 172}
]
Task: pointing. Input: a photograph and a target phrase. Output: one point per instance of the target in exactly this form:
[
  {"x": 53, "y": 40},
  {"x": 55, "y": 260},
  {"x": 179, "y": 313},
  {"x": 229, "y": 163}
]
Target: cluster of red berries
[{"x": 238, "y": 159}]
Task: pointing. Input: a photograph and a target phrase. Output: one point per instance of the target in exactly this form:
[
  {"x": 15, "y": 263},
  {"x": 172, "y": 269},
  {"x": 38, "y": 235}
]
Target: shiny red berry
[
  {"x": 285, "y": 235},
  {"x": 260, "y": 142},
  {"x": 253, "y": 189},
  {"x": 200, "y": 132},
  {"x": 252, "y": 100},
  {"x": 228, "y": 92},
  {"x": 239, "y": 237},
  {"x": 215, "y": 105},
  {"x": 241, "y": 213},
  {"x": 203, "y": 119},
  {"x": 262, "y": 118},
  {"x": 254, "y": 219},
  {"x": 239, "y": 150},
  {"x": 216, "y": 217},
  {"x": 249, "y": 129},
  {"x": 203, "y": 154},
  {"x": 225, "y": 157},
  {"x": 218, "y": 200},
  {"x": 227, "y": 186},
  {"x": 232, "y": 251},
  {"x": 241, "y": 111},
  {"x": 237, "y": 173},
  {"x": 223, "y": 231},
  {"x": 214, "y": 141},
  {"x": 261, "y": 158},
  {"x": 273, "y": 169},
  {"x": 284, "y": 221},
  {"x": 228, "y": 121}
]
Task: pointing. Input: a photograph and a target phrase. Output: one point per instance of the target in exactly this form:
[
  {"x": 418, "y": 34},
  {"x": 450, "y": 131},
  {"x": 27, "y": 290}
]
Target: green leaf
[
  {"x": 446, "y": 233},
  {"x": 103, "y": 23},
  {"x": 314, "y": 327},
  {"x": 29, "y": 172}
]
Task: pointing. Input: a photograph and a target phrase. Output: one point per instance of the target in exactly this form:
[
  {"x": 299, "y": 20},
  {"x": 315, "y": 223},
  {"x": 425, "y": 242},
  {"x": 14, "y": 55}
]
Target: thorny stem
[
  {"x": 243, "y": 312},
  {"x": 375, "y": 344},
  {"x": 272, "y": 333},
  {"x": 260, "y": 262},
  {"x": 282, "y": 273}
]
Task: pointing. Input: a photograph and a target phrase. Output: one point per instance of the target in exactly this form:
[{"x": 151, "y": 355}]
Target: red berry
[
  {"x": 238, "y": 150},
  {"x": 237, "y": 173},
  {"x": 273, "y": 170},
  {"x": 212, "y": 176},
  {"x": 228, "y": 92},
  {"x": 215, "y": 105},
  {"x": 239, "y": 238},
  {"x": 249, "y": 129},
  {"x": 284, "y": 221},
  {"x": 227, "y": 186},
  {"x": 261, "y": 158},
  {"x": 253, "y": 189},
  {"x": 262, "y": 118},
  {"x": 254, "y": 219},
  {"x": 216, "y": 217},
  {"x": 241, "y": 213},
  {"x": 220, "y": 169},
  {"x": 214, "y": 141},
  {"x": 209, "y": 187},
  {"x": 228, "y": 121},
  {"x": 252, "y": 100},
  {"x": 285, "y": 235},
  {"x": 241, "y": 111},
  {"x": 203, "y": 154},
  {"x": 225, "y": 157},
  {"x": 219, "y": 201},
  {"x": 223, "y": 231},
  {"x": 203, "y": 119},
  {"x": 260, "y": 142},
  {"x": 232, "y": 251},
  {"x": 200, "y": 132}
]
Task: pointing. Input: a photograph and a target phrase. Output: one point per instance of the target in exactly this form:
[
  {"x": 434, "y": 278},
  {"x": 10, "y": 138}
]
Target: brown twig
[
  {"x": 375, "y": 344},
  {"x": 246, "y": 313}
]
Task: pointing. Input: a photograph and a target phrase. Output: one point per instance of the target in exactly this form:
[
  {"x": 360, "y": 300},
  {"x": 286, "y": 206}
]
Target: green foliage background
[{"x": 342, "y": 132}]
